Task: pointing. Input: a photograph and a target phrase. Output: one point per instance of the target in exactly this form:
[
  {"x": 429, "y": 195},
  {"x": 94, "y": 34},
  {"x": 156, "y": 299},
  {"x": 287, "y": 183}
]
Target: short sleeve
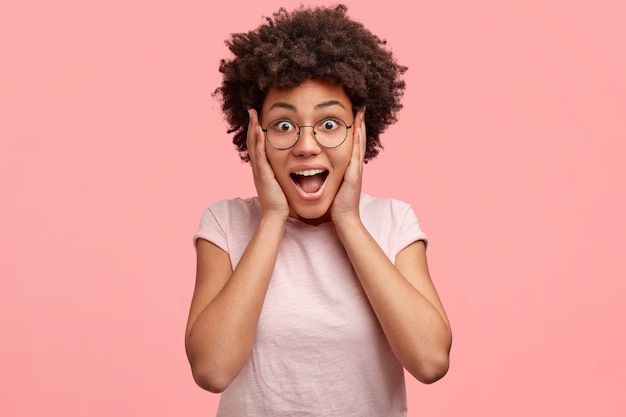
[
  {"x": 212, "y": 227},
  {"x": 409, "y": 228}
]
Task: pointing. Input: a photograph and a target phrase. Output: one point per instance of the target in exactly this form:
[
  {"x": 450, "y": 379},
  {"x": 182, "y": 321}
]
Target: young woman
[{"x": 312, "y": 297}]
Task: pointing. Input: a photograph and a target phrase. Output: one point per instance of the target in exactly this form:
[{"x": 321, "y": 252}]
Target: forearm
[
  {"x": 220, "y": 339},
  {"x": 416, "y": 328}
]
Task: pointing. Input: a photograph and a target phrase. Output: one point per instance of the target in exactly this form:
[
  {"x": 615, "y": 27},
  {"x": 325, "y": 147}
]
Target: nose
[{"x": 306, "y": 145}]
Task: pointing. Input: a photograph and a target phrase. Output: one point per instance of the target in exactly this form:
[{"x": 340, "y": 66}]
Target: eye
[
  {"x": 283, "y": 126},
  {"x": 328, "y": 125}
]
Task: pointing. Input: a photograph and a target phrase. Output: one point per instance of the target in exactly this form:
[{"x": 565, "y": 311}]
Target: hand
[
  {"x": 346, "y": 203},
  {"x": 271, "y": 197}
]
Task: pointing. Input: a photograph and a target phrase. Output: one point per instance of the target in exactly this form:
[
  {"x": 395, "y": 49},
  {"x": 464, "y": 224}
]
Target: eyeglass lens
[{"x": 284, "y": 133}]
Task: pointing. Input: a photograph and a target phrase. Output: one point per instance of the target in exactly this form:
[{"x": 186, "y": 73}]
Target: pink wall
[{"x": 511, "y": 147}]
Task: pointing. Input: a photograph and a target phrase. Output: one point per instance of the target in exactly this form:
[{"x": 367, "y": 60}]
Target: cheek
[
  {"x": 346, "y": 153},
  {"x": 277, "y": 164},
  {"x": 341, "y": 164},
  {"x": 272, "y": 158}
]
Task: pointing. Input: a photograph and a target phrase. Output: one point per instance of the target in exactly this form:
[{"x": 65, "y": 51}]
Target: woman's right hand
[
  {"x": 227, "y": 302},
  {"x": 271, "y": 196}
]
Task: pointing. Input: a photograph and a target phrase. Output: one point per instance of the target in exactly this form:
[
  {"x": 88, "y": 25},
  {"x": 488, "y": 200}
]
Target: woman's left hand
[{"x": 346, "y": 203}]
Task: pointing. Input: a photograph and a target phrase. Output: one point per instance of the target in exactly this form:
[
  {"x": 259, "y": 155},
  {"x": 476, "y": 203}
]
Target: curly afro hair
[{"x": 318, "y": 43}]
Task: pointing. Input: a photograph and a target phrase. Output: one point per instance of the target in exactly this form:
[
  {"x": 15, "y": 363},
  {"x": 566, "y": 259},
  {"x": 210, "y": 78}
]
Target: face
[{"x": 309, "y": 174}]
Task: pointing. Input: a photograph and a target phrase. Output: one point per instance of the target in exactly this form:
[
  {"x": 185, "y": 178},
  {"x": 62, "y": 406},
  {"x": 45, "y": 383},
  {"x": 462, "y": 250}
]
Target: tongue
[{"x": 311, "y": 184}]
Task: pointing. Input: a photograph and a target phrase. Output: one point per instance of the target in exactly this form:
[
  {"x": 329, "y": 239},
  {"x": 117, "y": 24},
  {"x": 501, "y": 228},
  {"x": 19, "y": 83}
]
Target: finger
[
  {"x": 254, "y": 136},
  {"x": 356, "y": 143},
  {"x": 360, "y": 139},
  {"x": 260, "y": 143},
  {"x": 363, "y": 134},
  {"x": 250, "y": 137}
]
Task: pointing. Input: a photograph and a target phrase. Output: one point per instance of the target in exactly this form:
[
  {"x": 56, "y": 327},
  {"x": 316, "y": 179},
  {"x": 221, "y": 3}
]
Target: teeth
[{"x": 309, "y": 172}]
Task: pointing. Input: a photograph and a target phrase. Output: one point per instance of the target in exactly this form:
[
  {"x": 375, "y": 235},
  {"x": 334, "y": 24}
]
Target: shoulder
[
  {"x": 236, "y": 208},
  {"x": 392, "y": 223},
  {"x": 246, "y": 204},
  {"x": 227, "y": 222},
  {"x": 228, "y": 219}
]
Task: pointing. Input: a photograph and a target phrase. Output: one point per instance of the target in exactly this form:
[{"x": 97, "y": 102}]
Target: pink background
[{"x": 511, "y": 148}]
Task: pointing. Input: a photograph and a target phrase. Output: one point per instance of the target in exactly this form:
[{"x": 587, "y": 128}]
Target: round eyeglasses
[{"x": 284, "y": 133}]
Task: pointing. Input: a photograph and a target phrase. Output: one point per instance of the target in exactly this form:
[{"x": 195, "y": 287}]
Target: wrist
[
  {"x": 347, "y": 223},
  {"x": 273, "y": 219}
]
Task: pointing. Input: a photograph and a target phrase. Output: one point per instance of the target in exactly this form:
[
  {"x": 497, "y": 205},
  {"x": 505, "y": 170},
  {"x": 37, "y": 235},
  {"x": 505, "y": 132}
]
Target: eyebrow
[
  {"x": 320, "y": 106},
  {"x": 328, "y": 103}
]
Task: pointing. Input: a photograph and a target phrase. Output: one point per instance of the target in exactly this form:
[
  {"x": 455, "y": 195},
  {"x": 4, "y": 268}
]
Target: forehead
[{"x": 311, "y": 95}]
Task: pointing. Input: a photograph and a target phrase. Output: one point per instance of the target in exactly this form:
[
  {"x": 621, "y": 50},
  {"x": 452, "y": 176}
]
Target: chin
[{"x": 312, "y": 215}]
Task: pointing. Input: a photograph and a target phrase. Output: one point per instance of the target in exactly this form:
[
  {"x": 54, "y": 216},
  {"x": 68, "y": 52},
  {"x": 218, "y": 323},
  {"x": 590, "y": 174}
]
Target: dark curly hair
[{"x": 318, "y": 43}]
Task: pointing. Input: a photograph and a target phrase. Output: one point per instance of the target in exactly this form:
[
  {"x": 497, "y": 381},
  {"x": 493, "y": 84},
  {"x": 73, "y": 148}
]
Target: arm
[
  {"x": 402, "y": 296},
  {"x": 226, "y": 304},
  {"x": 404, "y": 301}
]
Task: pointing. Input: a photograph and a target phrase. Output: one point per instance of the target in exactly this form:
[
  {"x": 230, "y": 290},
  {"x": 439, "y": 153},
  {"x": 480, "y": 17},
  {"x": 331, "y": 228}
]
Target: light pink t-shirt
[{"x": 319, "y": 349}]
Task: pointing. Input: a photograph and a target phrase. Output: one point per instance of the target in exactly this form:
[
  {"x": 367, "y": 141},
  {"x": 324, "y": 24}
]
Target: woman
[{"x": 311, "y": 298}]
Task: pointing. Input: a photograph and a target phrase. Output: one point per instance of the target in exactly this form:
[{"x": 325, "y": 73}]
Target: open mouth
[{"x": 310, "y": 181}]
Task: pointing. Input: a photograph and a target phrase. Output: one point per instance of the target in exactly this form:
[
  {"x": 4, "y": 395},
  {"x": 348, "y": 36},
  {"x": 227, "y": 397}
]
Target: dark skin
[{"x": 227, "y": 303}]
